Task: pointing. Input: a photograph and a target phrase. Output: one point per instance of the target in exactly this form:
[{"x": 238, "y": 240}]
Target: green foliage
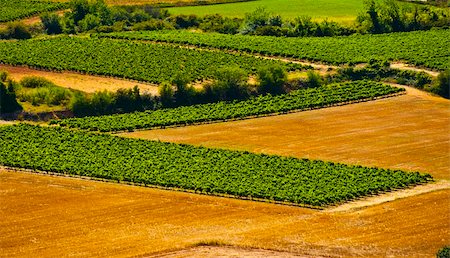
[
  {"x": 441, "y": 84},
  {"x": 257, "y": 106},
  {"x": 140, "y": 61},
  {"x": 166, "y": 94},
  {"x": 299, "y": 181},
  {"x": 18, "y": 9},
  {"x": 272, "y": 80},
  {"x": 425, "y": 48},
  {"x": 104, "y": 102},
  {"x": 313, "y": 80},
  {"x": 38, "y": 91},
  {"x": 15, "y": 30},
  {"x": 389, "y": 16},
  {"x": 52, "y": 23},
  {"x": 230, "y": 84},
  {"x": 444, "y": 252},
  {"x": 8, "y": 101}
]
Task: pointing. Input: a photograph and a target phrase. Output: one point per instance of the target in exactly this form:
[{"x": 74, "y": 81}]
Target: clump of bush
[
  {"x": 15, "y": 30},
  {"x": 104, "y": 102},
  {"x": 441, "y": 85},
  {"x": 444, "y": 252},
  {"x": 38, "y": 91},
  {"x": 8, "y": 100}
]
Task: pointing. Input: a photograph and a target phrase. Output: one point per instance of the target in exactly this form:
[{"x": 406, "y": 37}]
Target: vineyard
[
  {"x": 140, "y": 61},
  {"x": 262, "y": 105},
  {"x": 200, "y": 169},
  {"x": 423, "y": 48},
  {"x": 17, "y": 9}
]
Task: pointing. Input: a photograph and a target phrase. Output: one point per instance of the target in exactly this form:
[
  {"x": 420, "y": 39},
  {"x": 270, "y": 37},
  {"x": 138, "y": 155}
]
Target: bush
[
  {"x": 166, "y": 94},
  {"x": 15, "y": 30},
  {"x": 36, "y": 82},
  {"x": 8, "y": 101},
  {"x": 444, "y": 252},
  {"x": 441, "y": 84},
  {"x": 52, "y": 23},
  {"x": 38, "y": 90},
  {"x": 313, "y": 80},
  {"x": 230, "y": 84},
  {"x": 272, "y": 80}
]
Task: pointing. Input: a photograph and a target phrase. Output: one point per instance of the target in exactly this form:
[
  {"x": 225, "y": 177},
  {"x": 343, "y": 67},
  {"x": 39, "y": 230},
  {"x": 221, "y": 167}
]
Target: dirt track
[
  {"x": 81, "y": 82},
  {"x": 408, "y": 132},
  {"x": 54, "y": 216}
]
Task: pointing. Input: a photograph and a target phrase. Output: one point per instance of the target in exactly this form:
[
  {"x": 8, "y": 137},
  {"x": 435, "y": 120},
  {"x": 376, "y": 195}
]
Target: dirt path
[
  {"x": 391, "y": 196},
  {"x": 403, "y": 66},
  {"x": 77, "y": 81},
  {"x": 47, "y": 216}
]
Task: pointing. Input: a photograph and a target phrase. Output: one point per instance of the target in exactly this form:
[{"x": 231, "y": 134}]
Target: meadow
[{"x": 335, "y": 10}]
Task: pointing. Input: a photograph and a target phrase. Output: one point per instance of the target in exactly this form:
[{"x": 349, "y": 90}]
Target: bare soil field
[
  {"x": 47, "y": 216},
  {"x": 408, "y": 132},
  {"x": 81, "y": 82}
]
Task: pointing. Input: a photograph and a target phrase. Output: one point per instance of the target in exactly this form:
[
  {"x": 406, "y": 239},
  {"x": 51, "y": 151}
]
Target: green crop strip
[
  {"x": 18, "y": 9},
  {"x": 134, "y": 60},
  {"x": 424, "y": 48},
  {"x": 262, "y": 105},
  {"x": 298, "y": 181}
]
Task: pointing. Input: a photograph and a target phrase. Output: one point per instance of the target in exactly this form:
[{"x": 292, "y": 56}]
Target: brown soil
[
  {"x": 403, "y": 66},
  {"x": 45, "y": 216},
  {"x": 408, "y": 132},
  {"x": 76, "y": 81}
]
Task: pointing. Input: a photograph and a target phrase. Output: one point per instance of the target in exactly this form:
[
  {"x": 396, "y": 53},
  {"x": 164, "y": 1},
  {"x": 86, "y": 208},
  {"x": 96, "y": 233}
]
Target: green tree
[
  {"x": 8, "y": 101},
  {"x": 52, "y": 23},
  {"x": 272, "y": 80},
  {"x": 166, "y": 94},
  {"x": 231, "y": 83}
]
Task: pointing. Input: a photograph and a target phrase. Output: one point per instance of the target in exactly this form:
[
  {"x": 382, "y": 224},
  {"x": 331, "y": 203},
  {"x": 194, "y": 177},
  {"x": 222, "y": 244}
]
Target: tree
[
  {"x": 230, "y": 84},
  {"x": 52, "y": 23},
  {"x": 272, "y": 80},
  {"x": 8, "y": 101},
  {"x": 166, "y": 94}
]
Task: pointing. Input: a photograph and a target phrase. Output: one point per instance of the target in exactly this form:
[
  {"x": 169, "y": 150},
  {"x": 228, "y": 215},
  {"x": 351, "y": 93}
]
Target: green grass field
[{"x": 336, "y": 10}]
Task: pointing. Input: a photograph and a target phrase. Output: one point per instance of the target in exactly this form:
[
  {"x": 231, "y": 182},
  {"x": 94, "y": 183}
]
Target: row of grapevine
[
  {"x": 201, "y": 169},
  {"x": 262, "y": 105},
  {"x": 144, "y": 62},
  {"x": 424, "y": 48},
  {"x": 18, "y": 9}
]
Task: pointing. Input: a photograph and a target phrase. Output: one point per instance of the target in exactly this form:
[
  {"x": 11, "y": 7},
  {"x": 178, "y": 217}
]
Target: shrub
[
  {"x": 15, "y": 30},
  {"x": 230, "y": 84},
  {"x": 35, "y": 82},
  {"x": 444, "y": 252},
  {"x": 313, "y": 80},
  {"x": 8, "y": 101},
  {"x": 272, "y": 80},
  {"x": 52, "y": 23},
  {"x": 441, "y": 84},
  {"x": 166, "y": 94}
]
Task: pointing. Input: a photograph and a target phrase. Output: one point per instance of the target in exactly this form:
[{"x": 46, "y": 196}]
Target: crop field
[
  {"x": 235, "y": 145},
  {"x": 124, "y": 58},
  {"x": 342, "y": 11},
  {"x": 17, "y": 9},
  {"x": 258, "y": 106},
  {"x": 408, "y": 132},
  {"x": 64, "y": 216},
  {"x": 423, "y": 48},
  {"x": 77, "y": 81},
  {"x": 199, "y": 169}
]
